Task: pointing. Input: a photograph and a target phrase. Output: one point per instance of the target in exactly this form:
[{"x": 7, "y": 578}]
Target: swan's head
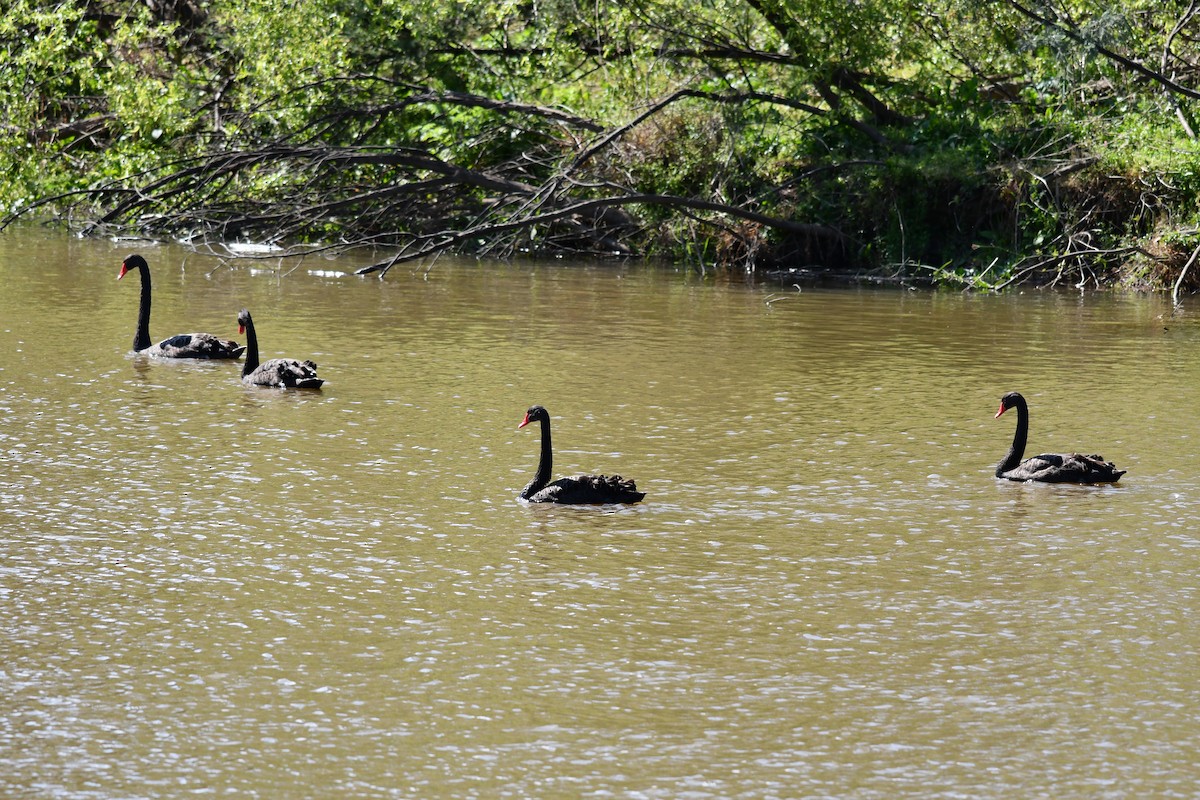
[
  {"x": 132, "y": 262},
  {"x": 244, "y": 320},
  {"x": 1010, "y": 400},
  {"x": 534, "y": 414}
]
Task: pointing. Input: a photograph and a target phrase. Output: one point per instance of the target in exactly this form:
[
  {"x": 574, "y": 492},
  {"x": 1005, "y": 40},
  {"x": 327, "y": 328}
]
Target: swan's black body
[
  {"x": 1048, "y": 467},
  {"x": 578, "y": 489},
  {"x": 184, "y": 345},
  {"x": 284, "y": 373}
]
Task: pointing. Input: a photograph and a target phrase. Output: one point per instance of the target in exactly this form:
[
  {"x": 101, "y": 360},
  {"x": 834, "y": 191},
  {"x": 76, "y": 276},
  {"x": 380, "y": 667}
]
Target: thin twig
[{"x": 1183, "y": 274}]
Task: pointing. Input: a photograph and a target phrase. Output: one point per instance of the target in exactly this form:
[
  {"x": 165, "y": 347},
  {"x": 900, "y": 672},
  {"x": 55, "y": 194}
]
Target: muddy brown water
[{"x": 213, "y": 590}]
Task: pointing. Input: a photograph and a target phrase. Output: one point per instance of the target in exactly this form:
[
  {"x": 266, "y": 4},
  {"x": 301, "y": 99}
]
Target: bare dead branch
[
  {"x": 296, "y": 188},
  {"x": 445, "y": 240},
  {"x": 1128, "y": 63},
  {"x": 1180, "y": 114}
]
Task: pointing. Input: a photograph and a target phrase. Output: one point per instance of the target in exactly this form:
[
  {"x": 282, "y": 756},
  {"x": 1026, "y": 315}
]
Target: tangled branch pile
[{"x": 544, "y": 198}]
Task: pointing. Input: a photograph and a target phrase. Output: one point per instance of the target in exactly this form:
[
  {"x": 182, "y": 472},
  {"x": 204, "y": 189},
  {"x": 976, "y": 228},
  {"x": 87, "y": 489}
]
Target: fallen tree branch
[
  {"x": 1182, "y": 275},
  {"x": 544, "y": 195},
  {"x": 1043, "y": 263},
  {"x": 445, "y": 240},
  {"x": 1112, "y": 55},
  {"x": 679, "y": 94}
]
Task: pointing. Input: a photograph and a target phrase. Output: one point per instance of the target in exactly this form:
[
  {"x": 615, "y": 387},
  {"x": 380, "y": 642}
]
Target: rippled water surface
[{"x": 213, "y": 590}]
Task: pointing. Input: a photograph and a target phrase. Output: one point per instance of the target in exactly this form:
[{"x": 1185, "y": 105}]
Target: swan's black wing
[
  {"x": 285, "y": 372},
  {"x": 589, "y": 490},
  {"x": 1065, "y": 468},
  {"x": 196, "y": 345}
]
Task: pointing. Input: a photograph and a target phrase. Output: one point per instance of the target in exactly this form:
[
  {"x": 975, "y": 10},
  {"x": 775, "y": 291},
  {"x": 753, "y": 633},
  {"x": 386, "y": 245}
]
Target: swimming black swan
[
  {"x": 281, "y": 372},
  {"x": 1049, "y": 467},
  {"x": 576, "y": 490},
  {"x": 185, "y": 345}
]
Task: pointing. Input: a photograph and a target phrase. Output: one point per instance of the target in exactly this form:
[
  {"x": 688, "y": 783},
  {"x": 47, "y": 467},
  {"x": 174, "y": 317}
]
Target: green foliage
[
  {"x": 945, "y": 132},
  {"x": 87, "y": 96},
  {"x": 282, "y": 50}
]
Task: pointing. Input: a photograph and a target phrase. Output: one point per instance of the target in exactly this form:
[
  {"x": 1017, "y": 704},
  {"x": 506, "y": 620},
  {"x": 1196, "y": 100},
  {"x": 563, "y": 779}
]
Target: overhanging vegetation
[{"x": 975, "y": 144}]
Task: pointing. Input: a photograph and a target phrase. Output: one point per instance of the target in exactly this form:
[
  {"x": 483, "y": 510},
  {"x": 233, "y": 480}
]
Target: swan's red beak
[
  {"x": 124, "y": 269},
  {"x": 241, "y": 329},
  {"x": 524, "y": 422},
  {"x": 1003, "y": 408}
]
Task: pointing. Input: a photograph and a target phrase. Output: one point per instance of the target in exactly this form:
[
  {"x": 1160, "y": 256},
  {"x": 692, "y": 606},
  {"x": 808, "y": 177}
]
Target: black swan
[
  {"x": 1049, "y": 467},
  {"x": 577, "y": 490},
  {"x": 282, "y": 372},
  {"x": 185, "y": 345}
]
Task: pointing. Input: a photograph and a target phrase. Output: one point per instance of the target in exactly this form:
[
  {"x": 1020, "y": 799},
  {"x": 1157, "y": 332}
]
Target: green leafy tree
[{"x": 998, "y": 139}]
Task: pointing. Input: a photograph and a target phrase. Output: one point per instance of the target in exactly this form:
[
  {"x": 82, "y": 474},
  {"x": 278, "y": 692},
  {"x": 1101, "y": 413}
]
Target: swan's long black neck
[
  {"x": 1019, "y": 438},
  {"x": 251, "y": 363},
  {"x": 141, "y": 337},
  {"x": 545, "y": 463}
]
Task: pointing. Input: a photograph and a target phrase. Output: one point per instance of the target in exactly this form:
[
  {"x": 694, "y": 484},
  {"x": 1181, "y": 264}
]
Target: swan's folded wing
[
  {"x": 1065, "y": 468},
  {"x": 589, "y": 490},
  {"x": 197, "y": 345},
  {"x": 285, "y": 372}
]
